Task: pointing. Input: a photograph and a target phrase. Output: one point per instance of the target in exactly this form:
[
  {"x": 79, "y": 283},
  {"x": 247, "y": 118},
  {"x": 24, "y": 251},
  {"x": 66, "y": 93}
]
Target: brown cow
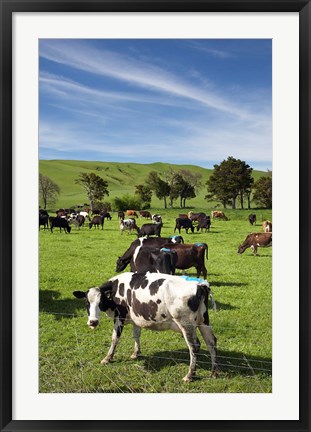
[
  {"x": 145, "y": 214},
  {"x": 131, "y": 213},
  {"x": 216, "y": 214},
  {"x": 267, "y": 226},
  {"x": 190, "y": 255},
  {"x": 254, "y": 241}
]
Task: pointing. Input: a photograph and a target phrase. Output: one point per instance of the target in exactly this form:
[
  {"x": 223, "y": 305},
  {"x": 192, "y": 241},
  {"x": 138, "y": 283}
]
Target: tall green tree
[
  {"x": 95, "y": 187},
  {"x": 230, "y": 179},
  {"x": 263, "y": 191},
  {"x": 145, "y": 194},
  {"x": 159, "y": 186},
  {"x": 48, "y": 190}
]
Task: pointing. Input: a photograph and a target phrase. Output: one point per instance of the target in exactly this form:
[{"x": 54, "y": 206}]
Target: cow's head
[
  {"x": 93, "y": 298},
  {"x": 242, "y": 249},
  {"x": 121, "y": 264}
]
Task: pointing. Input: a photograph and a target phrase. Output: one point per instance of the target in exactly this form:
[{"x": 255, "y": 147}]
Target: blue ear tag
[{"x": 199, "y": 244}]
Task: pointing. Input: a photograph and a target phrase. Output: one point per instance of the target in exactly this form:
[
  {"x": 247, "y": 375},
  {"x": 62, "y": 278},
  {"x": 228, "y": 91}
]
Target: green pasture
[{"x": 70, "y": 352}]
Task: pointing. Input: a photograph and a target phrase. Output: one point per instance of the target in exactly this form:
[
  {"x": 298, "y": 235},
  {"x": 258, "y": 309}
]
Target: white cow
[{"x": 155, "y": 301}]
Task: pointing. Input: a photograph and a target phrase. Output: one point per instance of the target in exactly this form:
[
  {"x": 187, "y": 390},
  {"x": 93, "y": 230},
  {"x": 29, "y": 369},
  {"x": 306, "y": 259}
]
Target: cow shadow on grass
[
  {"x": 228, "y": 284},
  {"x": 50, "y": 303},
  {"x": 229, "y": 362}
]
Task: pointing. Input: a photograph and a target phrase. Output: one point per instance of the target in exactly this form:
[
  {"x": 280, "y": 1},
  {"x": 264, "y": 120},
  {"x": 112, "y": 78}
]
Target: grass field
[{"x": 70, "y": 353}]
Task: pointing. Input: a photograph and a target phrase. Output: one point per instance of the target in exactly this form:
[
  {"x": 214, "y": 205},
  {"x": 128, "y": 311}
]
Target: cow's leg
[
  {"x": 189, "y": 334},
  {"x": 136, "y": 335},
  {"x": 210, "y": 340},
  {"x": 116, "y": 334},
  {"x": 254, "y": 249}
]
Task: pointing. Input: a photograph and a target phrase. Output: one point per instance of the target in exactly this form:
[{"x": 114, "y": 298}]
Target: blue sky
[{"x": 182, "y": 101}]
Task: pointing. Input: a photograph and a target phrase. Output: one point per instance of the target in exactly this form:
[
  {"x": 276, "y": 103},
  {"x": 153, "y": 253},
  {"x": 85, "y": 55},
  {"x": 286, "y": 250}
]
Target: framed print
[{"x": 103, "y": 103}]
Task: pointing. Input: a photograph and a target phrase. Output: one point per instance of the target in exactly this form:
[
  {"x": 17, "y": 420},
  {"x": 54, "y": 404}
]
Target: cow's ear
[{"x": 79, "y": 294}]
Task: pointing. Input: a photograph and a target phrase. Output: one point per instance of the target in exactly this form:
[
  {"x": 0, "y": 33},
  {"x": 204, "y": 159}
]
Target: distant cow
[
  {"x": 156, "y": 260},
  {"x": 43, "y": 220},
  {"x": 150, "y": 229},
  {"x": 85, "y": 214},
  {"x": 145, "y": 214},
  {"x": 204, "y": 223},
  {"x": 154, "y": 301},
  {"x": 183, "y": 223},
  {"x": 195, "y": 217},
  {"x": 61, "y": 212},
  {"x": 78, "y": 221},
  {"x": 183, "y": 216},
  {"x": 130, "y": 255},
  {"x": 190, "y": 255},
  {"x": 121, "y": 214},
  {"x": 156, "y": 218},
  {"x": 131, "y": 213},
  {"x": 216, "y": 214},
  {"x": 252, "y": 219},
  {"x": 59, "y": 222},
  {"x": 128, "y": 225},
  {"x": 97, "y": 221},
  {"x": 267, "y": 226},
  {"x": 254, "y": 241}
]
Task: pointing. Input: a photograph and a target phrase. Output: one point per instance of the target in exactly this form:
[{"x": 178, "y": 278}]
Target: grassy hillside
[{"x": 121, "y": 177}]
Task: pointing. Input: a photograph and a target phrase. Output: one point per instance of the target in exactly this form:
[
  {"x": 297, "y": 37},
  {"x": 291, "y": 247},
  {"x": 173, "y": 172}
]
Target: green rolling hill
[{"x": 121, "y": 177}]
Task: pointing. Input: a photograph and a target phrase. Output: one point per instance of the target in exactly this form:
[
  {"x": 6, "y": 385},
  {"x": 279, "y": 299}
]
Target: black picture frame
[{"x": 8, "y": 8}]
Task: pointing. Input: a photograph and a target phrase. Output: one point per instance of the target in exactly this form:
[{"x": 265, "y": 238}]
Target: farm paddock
[{"x": 70, "y": 352}]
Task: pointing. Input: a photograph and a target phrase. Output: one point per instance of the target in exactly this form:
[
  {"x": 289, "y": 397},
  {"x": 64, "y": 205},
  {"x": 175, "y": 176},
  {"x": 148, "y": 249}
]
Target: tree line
[{"x": 231, "y": 181}]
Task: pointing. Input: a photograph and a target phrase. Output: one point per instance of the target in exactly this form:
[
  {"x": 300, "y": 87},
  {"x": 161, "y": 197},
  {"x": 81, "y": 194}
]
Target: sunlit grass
[{"x": 70, "y": 353}]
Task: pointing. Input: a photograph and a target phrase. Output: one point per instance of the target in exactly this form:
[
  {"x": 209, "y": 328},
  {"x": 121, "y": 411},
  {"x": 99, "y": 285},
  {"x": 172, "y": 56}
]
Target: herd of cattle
[{"x": 148, "y": 296}]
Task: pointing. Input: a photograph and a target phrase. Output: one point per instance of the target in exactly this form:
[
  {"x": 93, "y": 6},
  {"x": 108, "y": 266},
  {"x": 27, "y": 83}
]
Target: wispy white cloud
[
  {"x": 136, "y": 72},
  {"x": 221, "y": 54}
]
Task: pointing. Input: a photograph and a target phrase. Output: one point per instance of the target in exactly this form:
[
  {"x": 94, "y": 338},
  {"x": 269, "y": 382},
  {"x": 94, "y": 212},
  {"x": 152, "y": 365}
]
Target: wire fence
[{"x": 172, "y": 353}]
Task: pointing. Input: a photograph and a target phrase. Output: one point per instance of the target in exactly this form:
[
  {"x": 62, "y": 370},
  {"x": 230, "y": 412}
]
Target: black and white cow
[
  {"x": 128, "y": 225},
  {"x": 157, "y": 302},
  {"x": 130, "y": 255}
]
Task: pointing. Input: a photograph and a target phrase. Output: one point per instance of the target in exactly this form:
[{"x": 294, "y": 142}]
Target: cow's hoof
[
  {"x": 187, "y": 378},
  {"x": 105, "y": 361},
  {"x": 135, "y": 356}
]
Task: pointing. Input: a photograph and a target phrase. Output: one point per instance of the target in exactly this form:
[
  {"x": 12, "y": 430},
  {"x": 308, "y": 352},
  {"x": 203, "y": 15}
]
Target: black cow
[
  {"x": 59, "y": 222},
  {"x": 121, "y": 214},
  {"x": 106, "y": 215},
  {"x": 150, "y": 229},
  {"x": 156, "y": 260},
  {"x": 43, "y": 220},
  {"x": 131, "y": 253},
  {"x": 204, "y": 223},
  {"x": 154, "y": 301},
  {"x": 252, "y": 219},
  {"x": 97, "y": 221},
  {"x": 184, "y": 223}
]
